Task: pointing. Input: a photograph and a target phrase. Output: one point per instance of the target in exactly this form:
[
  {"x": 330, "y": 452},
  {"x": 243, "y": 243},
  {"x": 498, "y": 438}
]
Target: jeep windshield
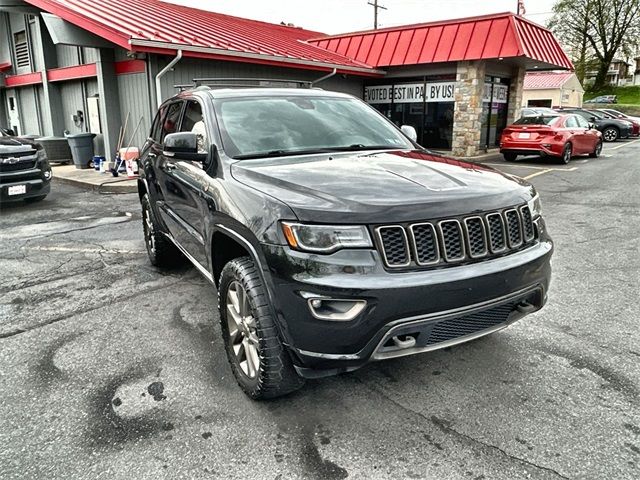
[{"x": 272, "y": 126}]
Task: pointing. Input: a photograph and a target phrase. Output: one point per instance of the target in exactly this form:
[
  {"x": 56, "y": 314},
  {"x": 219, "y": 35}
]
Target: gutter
[
  {"x": 162, "y": 73},
  {"x": 229, "y": 55}
]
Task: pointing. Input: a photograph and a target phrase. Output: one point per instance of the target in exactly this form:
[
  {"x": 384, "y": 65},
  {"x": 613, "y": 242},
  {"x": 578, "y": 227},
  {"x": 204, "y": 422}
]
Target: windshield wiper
[
  {"x": 282, "y": 153},
  {"x": 359, "y": 146}
]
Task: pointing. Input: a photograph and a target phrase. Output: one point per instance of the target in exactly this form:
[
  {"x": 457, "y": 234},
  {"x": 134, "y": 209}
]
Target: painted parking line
[
  {"x": 623, "y": 145},
  {"x": 517, "y": 165}
]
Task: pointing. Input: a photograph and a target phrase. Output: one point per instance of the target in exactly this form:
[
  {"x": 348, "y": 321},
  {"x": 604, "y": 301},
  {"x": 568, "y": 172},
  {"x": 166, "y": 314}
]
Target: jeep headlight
[
  {"x": 535, "y": 206},
  {"x": 325, "y": 238}
]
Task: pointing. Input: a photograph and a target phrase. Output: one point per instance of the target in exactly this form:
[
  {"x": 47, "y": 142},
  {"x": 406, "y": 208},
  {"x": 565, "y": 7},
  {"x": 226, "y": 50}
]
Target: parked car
[
  {"x": 603, "y": 99},
  {"x": 559, "y": 135},
  {"x": 612, "y": 129},
  {"x": 332, "y": 237},
  {"x": 634, "y": 121},
  {"x": 535, "y": 111},
  {"x": 25, "y": 173}
]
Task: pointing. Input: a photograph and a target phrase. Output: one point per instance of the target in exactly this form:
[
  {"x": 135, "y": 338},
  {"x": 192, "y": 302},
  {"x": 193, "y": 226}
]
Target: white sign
[
  {"x": 500, "y": 93},
  {"x": 410, "y": 93}
]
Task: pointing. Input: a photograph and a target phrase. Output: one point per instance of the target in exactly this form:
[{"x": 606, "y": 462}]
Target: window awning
[{"x": 501, "y": 36}]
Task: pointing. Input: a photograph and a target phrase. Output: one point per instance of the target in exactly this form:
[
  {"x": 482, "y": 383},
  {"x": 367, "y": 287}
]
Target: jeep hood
[{"x": 381, "y": 187}]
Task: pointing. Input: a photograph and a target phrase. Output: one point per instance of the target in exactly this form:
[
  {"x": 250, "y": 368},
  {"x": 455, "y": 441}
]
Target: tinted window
[
  {"x": 193, "y": 121},
  {"x": 537, "y": 120},
  {"x": 156, "y": 128},
  {"x": 278, "y": 125},
  {"x": 584, "y": 115},
  {"x": 571, "y": 122},
  {"x": 170, "y": 123},
  {"x": 595, "y": 114},
  {"x": 582, "y": 122}
]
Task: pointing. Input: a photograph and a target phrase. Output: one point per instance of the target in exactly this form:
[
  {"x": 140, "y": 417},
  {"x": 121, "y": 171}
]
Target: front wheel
[
  {"x": 597, "y": 150},
  {"x": 610, "y": 134},
  {"x": 258, "y": 359}
]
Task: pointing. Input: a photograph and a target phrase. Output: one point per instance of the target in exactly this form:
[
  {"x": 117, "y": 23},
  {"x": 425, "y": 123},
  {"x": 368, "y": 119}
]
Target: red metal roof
[
  {"x": 155, "y": 26},
  {"x": 542, "y": 80},
  {"x": 503, "y": 35}
]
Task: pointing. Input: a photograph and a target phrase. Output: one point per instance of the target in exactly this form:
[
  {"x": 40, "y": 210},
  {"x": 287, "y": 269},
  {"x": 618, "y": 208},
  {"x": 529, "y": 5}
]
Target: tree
[{"x": 596, "y": 31}]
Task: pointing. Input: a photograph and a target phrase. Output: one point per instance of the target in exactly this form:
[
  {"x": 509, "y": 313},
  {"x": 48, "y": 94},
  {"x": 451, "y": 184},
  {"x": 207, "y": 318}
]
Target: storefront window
[
  {"x": 425, "y": 103},
  {"x": 495, "y": 103}
]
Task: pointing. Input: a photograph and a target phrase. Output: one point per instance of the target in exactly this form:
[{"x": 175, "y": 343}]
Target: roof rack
[{"x": 244, "y": 83}]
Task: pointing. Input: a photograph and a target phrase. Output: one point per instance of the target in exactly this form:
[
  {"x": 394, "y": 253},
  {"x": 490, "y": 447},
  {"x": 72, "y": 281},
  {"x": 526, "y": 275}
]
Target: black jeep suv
[
  {"x": 332, "y": 237},
  {"x": 25, "y": 173}
]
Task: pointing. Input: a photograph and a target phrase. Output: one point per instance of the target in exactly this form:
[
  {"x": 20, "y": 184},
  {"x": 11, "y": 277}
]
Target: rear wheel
[
  {"x": 566, "y": 154},
  {"x": 597, "y": 151},
  {"x": 162, "y": 252},
  {"x": 610, "y": 134},
  {"x": 258, "y": 359},
  {"x": 510, "y": 157}
]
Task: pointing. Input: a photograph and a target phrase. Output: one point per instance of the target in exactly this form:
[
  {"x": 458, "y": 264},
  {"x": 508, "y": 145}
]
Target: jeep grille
[{"x": 455, "y": 240}]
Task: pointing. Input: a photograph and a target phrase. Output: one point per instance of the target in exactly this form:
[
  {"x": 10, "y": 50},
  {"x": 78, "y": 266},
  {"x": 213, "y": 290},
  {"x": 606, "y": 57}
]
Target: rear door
[
  {"x": 574, "y": 134},
  {"x": 590, "y": 139}
]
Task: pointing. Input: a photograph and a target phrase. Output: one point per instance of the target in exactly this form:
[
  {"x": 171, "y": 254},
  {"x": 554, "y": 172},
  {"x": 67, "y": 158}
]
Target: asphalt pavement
[{"x": 110, "y": 368}]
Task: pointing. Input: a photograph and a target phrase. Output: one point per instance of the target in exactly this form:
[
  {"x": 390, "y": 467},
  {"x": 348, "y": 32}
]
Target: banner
[{"x": 410, "y": 93}]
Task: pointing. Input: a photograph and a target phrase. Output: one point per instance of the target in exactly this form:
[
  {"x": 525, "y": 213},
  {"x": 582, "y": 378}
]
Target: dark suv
[
  {"x": 332, "y": 237},
  {"x": 25, "y": 173}
]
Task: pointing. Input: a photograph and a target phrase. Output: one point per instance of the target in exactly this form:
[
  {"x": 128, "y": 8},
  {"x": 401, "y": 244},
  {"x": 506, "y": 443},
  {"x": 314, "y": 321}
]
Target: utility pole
[
  {"x": 521, "y": 10},
  {"x": 376, "y": 7}
]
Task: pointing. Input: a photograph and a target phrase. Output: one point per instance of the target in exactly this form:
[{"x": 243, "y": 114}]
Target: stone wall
[
  {"x": 515, "y": 94},
  {"x": 467, "y": 117}
]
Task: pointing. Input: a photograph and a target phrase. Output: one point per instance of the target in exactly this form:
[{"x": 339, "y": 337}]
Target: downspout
[
  {"x": 162, "y": 74},
  {"x": 326, "y": 77}
]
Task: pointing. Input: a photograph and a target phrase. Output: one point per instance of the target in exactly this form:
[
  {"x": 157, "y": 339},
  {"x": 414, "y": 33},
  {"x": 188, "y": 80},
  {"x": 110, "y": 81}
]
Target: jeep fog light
[
  {"x": 48, "y": 174},
  {"x": 335, "y": 310}
]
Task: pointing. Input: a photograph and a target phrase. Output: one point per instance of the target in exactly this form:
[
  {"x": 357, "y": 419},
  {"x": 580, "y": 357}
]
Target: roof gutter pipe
[
  {"x": 162, "y": 73},
  {"x": 322, "y": 79}
]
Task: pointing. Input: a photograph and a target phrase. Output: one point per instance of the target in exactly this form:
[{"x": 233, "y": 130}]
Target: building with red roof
[
  {"x": 84, "y": 65},
  {"x": 552, "y": 89}
]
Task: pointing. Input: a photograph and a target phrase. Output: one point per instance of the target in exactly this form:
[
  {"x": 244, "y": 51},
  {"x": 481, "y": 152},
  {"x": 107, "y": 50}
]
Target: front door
[
  {"x": 14, "y": 113},
  {"x": 182, "y": 182}
]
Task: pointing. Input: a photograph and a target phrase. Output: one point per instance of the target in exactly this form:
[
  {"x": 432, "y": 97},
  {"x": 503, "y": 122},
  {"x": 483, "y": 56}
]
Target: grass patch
[{"x": 626, "y": 95}]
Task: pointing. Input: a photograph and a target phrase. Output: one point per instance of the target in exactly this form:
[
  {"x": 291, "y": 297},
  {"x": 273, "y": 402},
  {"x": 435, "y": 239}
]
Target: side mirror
[
  {"x": 591, "y": 126},
  {"x": 410, "y": 132},
  {"x": 183, "y": 146},
  {"x": 592, "y": 119}
]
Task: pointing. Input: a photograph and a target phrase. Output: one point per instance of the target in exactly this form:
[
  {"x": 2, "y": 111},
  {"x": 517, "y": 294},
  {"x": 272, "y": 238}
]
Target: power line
[{"x": 376, "y": 7}]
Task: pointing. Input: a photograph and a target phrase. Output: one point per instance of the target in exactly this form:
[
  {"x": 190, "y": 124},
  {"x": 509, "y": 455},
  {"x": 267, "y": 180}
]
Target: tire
[
  {"x": 510, "y": 157},
  {"x": 610, "y": 134},
  {"x": 597, "y": 150},
  {"x": 566, "y": 153},
  {"x": 259, "y": 361},
  {"x": 39, "y": 198},
  {"x": 162, "y": 252}
]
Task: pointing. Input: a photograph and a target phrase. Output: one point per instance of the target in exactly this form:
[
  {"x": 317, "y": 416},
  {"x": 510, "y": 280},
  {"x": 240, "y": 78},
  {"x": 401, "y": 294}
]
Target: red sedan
[{"x": 560, "y": 136}]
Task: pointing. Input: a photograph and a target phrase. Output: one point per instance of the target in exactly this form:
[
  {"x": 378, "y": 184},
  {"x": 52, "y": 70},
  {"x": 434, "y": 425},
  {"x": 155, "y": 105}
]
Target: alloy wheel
[
  {"x": 149, "y": 232},
  {"x": 243, "y": 336},
  {"x": 610, "y": 134}
]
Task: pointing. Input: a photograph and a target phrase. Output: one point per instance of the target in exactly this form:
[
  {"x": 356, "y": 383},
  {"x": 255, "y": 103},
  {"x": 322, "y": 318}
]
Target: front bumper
[
  {"x": 35, "y": 185},
  {"x": 399, "y": 304}
]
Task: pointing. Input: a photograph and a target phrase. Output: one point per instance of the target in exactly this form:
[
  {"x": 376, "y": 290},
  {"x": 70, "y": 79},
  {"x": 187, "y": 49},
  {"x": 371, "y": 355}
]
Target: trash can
[{"x": 81, "y": 145}]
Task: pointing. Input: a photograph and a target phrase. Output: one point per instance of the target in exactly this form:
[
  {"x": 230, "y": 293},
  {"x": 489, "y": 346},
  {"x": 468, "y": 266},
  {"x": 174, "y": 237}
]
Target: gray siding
[
  {"x": 72, "y": 101},
  {"x": 188, "y": 69},
  {"x": 5, "y": 51},
  {"x": 67, "y": 55},
  {"x": 27, "y": 98},
  {"x": 135, "y": 100},
  {"x": 16, "y": 24},
  {"x": 37, "y": 57},
  {"x": 90, "y": 55},
  {"x": 4, "y": 120}
]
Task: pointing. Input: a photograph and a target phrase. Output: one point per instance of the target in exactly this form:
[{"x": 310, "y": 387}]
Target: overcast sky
[{"x": 337, "y": 16}]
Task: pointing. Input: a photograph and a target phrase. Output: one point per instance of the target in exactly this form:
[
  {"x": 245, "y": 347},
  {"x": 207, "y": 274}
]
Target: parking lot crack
[{"x": 446, "y": 427}]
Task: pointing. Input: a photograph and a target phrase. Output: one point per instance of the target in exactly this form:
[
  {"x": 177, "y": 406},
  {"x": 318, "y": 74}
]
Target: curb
[{"x": 114, "y": 186}]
